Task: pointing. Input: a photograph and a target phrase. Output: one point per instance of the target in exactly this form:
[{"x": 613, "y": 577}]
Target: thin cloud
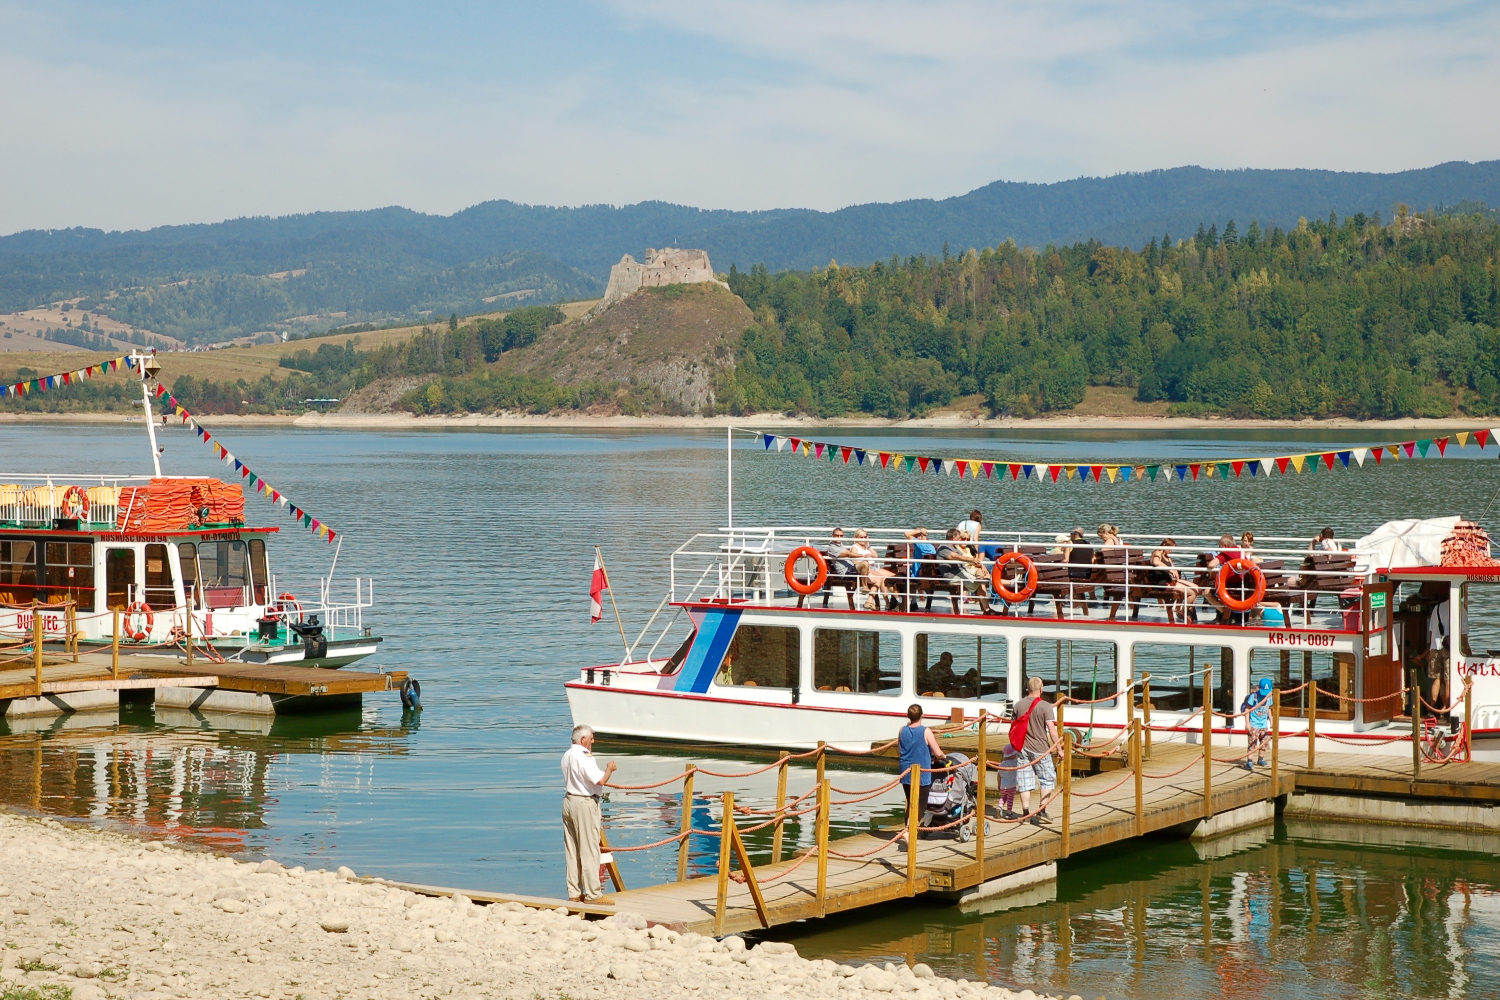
[{"x": 739, "y": 105}]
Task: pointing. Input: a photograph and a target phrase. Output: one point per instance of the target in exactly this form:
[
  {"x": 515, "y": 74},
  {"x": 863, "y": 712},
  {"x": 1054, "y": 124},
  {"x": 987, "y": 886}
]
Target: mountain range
[{"x": 207, "y": 282}]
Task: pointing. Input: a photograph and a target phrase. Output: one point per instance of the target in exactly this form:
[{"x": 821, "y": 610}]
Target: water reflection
[
  {"x": 1397, "y": 913},
  {"x": 204, "y": 778}
]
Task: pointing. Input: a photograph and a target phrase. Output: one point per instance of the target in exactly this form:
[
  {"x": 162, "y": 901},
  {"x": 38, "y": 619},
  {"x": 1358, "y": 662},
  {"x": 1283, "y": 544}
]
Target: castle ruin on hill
[{"x": 669, "y": 266}]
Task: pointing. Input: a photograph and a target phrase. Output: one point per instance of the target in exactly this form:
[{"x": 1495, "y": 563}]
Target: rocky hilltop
[{"x": 671, "y": 339}]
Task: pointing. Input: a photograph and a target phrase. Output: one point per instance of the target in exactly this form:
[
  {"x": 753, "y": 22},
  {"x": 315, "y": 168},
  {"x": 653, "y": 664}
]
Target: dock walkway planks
[
  {"x": 1389, "y": 775},
  {"x": 1101, "y": 815}
]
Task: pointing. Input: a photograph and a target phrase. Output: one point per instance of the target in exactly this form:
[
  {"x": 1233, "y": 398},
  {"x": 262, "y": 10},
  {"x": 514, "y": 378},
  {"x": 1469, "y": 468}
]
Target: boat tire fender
[
  {"x": 1240, "y": 566},
  {"x": 806, "y": 552},
  {"x": 138, "y": 633},
  {"x": 411, "y": 693},
  {"x": 997, "y": 577}
]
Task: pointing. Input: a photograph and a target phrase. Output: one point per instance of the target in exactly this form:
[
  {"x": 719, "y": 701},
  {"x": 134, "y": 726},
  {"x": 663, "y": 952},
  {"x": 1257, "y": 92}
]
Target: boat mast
[
  {"x": 147, "y": 366},
  {"x": 729, "y": 471}
]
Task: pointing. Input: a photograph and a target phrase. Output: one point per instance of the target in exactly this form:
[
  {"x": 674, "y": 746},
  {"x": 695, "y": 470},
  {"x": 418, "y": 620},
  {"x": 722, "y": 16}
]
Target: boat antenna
[{"x": 146, "y": 364}]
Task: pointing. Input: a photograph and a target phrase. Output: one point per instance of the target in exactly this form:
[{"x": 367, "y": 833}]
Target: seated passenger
[
  {"x": 1247, "y": 546},
  {"x": 1164, "y": 575},
  {"x": 1324, "y": 542},
  {"x": 960, "y": 569},
  {"x": 1225, "y": 554},
  {"x": 969, "y": 529},
  {"x": 877, "y": 578},
  {"x": 1080, "y": 559},
  {"x": 841, "y": 572},
  {"x": 940, "y": 679}
]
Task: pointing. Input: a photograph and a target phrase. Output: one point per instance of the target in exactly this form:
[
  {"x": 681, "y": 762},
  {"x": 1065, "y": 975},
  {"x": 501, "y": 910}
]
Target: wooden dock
[
  {"x": 1102, "y": 812},
  {"x": 96, "y": 671}
]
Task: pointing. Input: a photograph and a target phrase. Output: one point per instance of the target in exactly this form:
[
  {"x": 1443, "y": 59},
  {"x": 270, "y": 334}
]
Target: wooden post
[
  {"x": 1312, "y": 727},
  {"x": 748, "y": 870},
  {"x": 823, "y": 797},
  {"x": 982, "y": 752},
  {"x": 114, "y": 648},
  {"x": 1067, "y": 789},
  {"x": 726, "y": 844},
  {"x": 1208, "y": 751},
  {"x": 189, "y": 634},
  {"x": 780, "y": 807},
  {"x": 1275, "y": 743},
  {"x": 1416, "y": 725},
  {"x": 1140, "y": 792},
  {"x": 913, "y": 810},
  {"x": 1468, "y": 718},
  {"x": 1146, "y": 713},
  {"x": 612, "y": 867},
  {"x": 38, "y": 640},
  {"x": 687, "y": 822},
  {"x": 822, "y": 760},
  {"x": 72, "y": 615}
]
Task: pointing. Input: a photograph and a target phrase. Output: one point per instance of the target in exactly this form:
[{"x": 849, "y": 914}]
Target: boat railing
[
  {"x": 40, "y": 499},
  {"x": 1303, "y": 587}
]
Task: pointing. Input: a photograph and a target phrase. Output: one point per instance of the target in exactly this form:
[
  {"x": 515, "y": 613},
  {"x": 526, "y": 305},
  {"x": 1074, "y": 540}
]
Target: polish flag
[{"x": 597, "y": 587}]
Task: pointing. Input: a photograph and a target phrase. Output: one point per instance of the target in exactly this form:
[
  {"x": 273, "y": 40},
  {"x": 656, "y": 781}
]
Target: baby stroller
[{"x": 953, "y": 794}]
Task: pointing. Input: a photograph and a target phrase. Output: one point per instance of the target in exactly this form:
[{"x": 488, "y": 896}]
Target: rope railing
[{"x": 1437, "y": 749}]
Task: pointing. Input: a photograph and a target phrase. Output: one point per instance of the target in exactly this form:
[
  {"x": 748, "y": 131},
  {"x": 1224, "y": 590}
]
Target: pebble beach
[{"x": 89, "y": 913}]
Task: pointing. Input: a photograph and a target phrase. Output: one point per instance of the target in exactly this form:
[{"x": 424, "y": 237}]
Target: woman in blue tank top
[{"x": 918, "y": 746}]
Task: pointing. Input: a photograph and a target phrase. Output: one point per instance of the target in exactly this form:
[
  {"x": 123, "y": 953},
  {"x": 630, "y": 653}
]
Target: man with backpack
[{"x": 1032, "y": 736}]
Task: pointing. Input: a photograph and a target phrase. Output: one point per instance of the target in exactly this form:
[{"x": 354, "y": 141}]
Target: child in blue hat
[{"x": 1258, "y": 704}]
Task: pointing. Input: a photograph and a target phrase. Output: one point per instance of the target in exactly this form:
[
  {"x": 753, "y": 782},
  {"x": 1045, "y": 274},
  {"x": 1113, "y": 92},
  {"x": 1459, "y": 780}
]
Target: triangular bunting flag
[
  {"x": 770, "y": 440},
  {"x": 1423, "y": 445},
  {"x": 1281, "y": 464},
  {"x": 1483, "y": 437},
  {"x": 1053, "y": 470},
  {"x": 859, "y": 456},
  {"x": 1182, "y": 472},
  {"x": 885, "y": 459},
  {"x": 1463, "y": 438},
  {"x": 1377, "y": 452},
  {"x": 846, "y": 453},
  {"x": 1410, "y": 446},
  {"x": 922, "y": 460},
  {"x": 1360, "y": 454},
  {"x": 989, "y": 470},
  {"x": 1298, "y": 461},
  {"x": 796, "y": 443},
  {"x": 1070, "y": 471},
  {"x": 1084, "y": 472},
  {"x": 1442, "y": 445},
  {"x": 1114, "y": 470},
  {"x": 1027, "y": 470},
  {"x": 1329, "y": 458},
  {"x": 1238, "y": 467}
]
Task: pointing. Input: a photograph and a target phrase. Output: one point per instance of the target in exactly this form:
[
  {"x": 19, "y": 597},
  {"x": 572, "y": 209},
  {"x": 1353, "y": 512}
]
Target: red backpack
[{"x": 1019, "y": 724}]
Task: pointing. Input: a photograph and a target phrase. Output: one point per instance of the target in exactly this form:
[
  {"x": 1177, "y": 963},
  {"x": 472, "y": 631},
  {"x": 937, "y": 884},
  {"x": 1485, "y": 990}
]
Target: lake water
[{"x": 481, "y": 543}]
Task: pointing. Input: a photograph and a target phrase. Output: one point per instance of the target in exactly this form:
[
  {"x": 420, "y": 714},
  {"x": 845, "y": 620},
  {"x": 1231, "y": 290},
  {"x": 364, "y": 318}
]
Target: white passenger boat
[
  {"x": 752, "y": 661},
  {"x": 161, "y": 559}
]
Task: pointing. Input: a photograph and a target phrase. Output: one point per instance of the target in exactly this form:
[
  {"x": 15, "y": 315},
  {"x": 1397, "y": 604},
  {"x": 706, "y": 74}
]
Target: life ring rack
[
  {"x": 1240, "y": 566},
  {"x": 286, "y": 605},
  {"x": 998, "y": 582},
  {"x": 819, "y": 579}
]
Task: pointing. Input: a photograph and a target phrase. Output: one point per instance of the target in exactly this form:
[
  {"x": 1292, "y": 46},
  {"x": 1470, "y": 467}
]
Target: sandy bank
[
  {"x": 766, "y": 421},
  {"x": 108, "y": 916}
]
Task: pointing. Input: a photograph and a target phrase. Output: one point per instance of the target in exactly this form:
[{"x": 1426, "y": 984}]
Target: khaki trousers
[{"x": 581, "y": 826}]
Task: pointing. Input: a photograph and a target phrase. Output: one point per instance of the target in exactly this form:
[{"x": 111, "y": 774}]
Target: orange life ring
[
  {"x": 806, "y": 552},
  {"x": 1013, "y": 596},
  {"x": 1240, "y": 566},
  {"x": 75, "y": 504},
  {"x": 144, "y": 610},
  {"x": 285, "y": 605}
]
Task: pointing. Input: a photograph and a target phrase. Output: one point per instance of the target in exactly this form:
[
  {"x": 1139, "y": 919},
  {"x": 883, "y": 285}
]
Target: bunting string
[
  {"x": 254, "y": 481},
  {"x": 1116, "y": 472},
  {"x": 30, "y": 387}
]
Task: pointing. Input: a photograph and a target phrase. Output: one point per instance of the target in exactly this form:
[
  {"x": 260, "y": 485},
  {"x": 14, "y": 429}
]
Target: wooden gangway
[{"x": 871, "y": 868}]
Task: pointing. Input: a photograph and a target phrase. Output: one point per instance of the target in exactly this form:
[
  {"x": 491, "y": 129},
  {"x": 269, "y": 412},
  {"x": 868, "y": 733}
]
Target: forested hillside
[
  {"x": 208, "y": 283},
  {"x": 1353, "y": 318}
]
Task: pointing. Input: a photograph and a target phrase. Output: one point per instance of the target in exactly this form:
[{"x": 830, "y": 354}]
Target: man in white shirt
[{"x": 583, "y": 783}]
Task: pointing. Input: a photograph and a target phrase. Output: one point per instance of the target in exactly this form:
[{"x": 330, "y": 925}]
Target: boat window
[
  {"x": 119, "y": 577},
  {"x": 159, "y": 593},
  {"x": 17, "y": 571},
  {"x": 1177, "y": 675},
  {"x": 857, "y": 661},
  {"x": 223, "y": 572},
  {"x": 1333, "y": 672},
  {"x": 258, "y": 572},
  {"x": 768, "y": 656},
  {"x": 70, "y": 573},
  {"x": 187, "y": 558},
  {"x": 953, "y": 665},
  {"x": 1080, "y": 668}
]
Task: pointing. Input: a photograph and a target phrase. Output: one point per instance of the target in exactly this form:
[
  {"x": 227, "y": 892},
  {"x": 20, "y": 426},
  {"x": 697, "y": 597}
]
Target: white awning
[{"x": 1406, "y": 544}]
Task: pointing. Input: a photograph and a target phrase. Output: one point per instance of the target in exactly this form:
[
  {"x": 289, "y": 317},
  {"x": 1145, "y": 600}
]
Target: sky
[{"x": 128, "y": 115}]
